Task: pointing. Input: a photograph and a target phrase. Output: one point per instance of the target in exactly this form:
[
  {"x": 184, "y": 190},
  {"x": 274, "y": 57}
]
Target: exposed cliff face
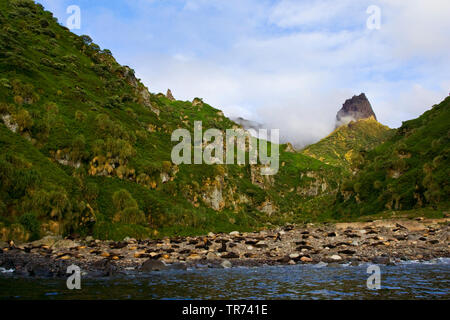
[
  {"x": 313, "y": 184},
  {"x": 356, "y": 108}
]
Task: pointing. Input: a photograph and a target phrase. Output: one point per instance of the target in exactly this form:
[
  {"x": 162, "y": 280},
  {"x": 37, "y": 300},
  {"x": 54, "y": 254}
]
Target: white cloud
[
  {"x": 291, "y": 64},
  {"x": 290, "y": 13},
  {"x": 418, "y": 28}
]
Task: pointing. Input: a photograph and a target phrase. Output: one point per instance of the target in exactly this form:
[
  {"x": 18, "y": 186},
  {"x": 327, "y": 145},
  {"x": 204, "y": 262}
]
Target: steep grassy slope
[
  {"x": 342, "y": 147},
  {"x": 86, "y": 148},
  {"x": 410, "y": 170}
]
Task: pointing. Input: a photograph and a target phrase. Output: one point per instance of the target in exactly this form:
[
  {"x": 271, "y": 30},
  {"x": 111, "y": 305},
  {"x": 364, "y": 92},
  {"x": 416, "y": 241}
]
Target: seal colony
[{"x": 378, "y": 242}]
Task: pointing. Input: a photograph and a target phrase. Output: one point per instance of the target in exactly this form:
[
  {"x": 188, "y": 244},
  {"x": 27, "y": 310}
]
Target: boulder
[
  {"x": 65, "y": 244},
  {"x": 105, "y": 267},
  {"x": 38, "y": 270},
  {"x": 46, "y": 241},
  {"x": 153, "y": 265},
  {"x": 306, "y": 259},
  {"x": 211, "y": 256},
  {"x": 294, "y": 255},
  {"x": 336, "y": 257},
  {"x": 261, "y": 244}
]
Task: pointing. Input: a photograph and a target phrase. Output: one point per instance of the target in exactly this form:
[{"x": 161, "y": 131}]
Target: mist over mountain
[{"x": 307, "y": 130}]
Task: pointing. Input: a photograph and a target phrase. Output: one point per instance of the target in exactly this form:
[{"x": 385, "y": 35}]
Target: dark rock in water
[
  {"x": 7, "y": 263},
  {"x": 354, "y": 263},
  {"x": 153, "y": 265},
  {"x": 381, "y": 260},
  {"x": 177, "y": 266},
  {"x": 285, "y": 259},
  {"x": 105, "y": 266},
  {"x": 38, "y": 270},
  {"x": 356, "y": 108}
]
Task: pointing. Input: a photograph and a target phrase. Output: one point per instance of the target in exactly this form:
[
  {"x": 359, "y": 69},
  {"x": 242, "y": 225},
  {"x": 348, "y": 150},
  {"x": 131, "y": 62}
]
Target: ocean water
[{"x": 411, "y": 280}]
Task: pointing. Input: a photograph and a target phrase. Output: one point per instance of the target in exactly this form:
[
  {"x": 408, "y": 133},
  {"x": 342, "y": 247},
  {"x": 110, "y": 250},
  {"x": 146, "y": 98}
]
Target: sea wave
[{"x": 3, "y": 270}]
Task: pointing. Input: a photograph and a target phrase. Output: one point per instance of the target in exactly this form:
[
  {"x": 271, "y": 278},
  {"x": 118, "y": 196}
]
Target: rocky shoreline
[{"x": 378, "y": 242}]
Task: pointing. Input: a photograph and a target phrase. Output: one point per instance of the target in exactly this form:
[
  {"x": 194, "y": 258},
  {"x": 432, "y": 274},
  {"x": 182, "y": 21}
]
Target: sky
[{"x": 288, "y": 64}]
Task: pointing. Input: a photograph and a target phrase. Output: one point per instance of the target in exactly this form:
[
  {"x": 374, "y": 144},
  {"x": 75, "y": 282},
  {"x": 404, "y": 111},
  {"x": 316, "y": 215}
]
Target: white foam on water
[
  {"x": 320, "y": 265},
  {"x": 433, "y": 261},
  {"x": 3, "y": 270}
]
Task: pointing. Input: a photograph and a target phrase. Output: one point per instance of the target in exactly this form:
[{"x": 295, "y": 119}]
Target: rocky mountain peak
[
  {"x": 169, "y": 95},
  {"x": 356, "y": 108}
]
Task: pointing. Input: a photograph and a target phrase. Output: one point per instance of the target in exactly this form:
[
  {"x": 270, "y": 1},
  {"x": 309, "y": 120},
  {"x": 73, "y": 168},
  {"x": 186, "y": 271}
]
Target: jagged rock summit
[
  {"x": 356, "y": 108},
  {"x": 169, "y": 95}
]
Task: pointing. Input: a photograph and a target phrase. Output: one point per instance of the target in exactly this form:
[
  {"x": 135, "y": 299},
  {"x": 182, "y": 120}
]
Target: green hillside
[
  {"x": 410, "y": 170},
  {"x": 86, "y": 148},
  {"x": 342, "y": 147}
]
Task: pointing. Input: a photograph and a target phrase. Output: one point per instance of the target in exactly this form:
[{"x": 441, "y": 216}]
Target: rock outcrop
[
  {"x": 169, "y": 95},
  {"x": 356, "y": 108}
]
